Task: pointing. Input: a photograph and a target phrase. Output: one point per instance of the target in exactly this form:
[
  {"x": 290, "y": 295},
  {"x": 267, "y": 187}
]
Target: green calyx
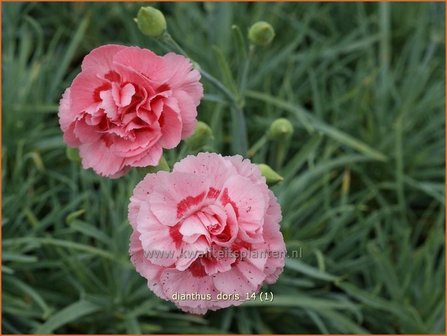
[
  {"x": 281, "y": 129},
  {"x": 271, "y": 176},
  {"x": 261, "y": 33},
  {"x": 151, "y": 21},
  {"x": 201, "y": 136}
]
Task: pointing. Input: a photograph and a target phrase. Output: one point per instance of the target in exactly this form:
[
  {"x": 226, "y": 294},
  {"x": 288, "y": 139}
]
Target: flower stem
[
  {"x": 245, "y": 71},
  {"x": 280, "y": 153},
  {"x": 258, "y": 145},
  {"x": 239, "y": 124}
]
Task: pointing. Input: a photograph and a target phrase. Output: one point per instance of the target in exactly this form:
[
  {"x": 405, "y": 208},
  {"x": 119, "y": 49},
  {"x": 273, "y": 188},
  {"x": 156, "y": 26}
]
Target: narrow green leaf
[
  {"x": 302, "y": 301},
  {"x": 239, "y": 41},
  {"x": 91, "y": 231},
  {"x": 298, "y": 266},
  {"x": 321, "y": 126},
  {"x": 69, "y": 54},
  {"x": 225, "y": 70},
  {"x": 68, "y": 314}
]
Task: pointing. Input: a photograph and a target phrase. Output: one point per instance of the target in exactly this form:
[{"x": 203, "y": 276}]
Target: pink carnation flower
[
  {"x": 126, "y": 105},
  {"x": 210, "y": 227}
]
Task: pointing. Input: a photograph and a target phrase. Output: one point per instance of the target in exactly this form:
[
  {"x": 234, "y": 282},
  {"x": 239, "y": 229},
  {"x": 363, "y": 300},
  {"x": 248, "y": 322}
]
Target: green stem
[
  {"x": 239, "y": 124},
  {"x": 167, "y": 38},
  {"x": 245, "y": 71},
  {"x": 219, "y": 86},
  {"x": 240, "y": 144},
  {"x": 169, "y": 41},
  {"x": 280, "y": 153},
  {"x": 253, "y": 149}
]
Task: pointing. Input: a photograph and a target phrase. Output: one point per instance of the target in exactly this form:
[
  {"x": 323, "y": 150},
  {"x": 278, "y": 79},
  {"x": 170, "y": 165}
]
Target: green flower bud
[
  {"x": 151, "y": 21},
  {"x": 201, "y": 137},
  {"x": 270, "y": 175},
  {"x": 73, "y": 154},
  {"x": 261, "y": 33},
  {"x": 281, "y": 129}
]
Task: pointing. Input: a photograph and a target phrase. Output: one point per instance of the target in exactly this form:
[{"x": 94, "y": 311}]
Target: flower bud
[
  {"x": 261, "y": 33},
  {"x": 201, "y": 137},
  {"x": 270, "y": 175},
  {"x": 151, "y": 21},
  {"x": 281, "y": 129}
]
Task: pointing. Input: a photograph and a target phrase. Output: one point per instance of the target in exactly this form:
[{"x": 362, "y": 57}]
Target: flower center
[{"x": 212, "y": 223}]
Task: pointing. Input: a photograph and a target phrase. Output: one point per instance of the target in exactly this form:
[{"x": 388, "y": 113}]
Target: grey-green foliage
[{"x": 363, "y": 189}]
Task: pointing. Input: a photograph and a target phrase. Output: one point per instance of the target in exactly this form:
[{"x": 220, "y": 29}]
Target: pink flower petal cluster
[
  {"x": 126, "y": 105},
  {"x": 209, "y": 227}
]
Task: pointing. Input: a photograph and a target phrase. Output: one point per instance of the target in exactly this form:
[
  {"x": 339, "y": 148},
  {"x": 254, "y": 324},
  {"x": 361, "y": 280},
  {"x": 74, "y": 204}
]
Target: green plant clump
[{"x": 362, "y": 194}]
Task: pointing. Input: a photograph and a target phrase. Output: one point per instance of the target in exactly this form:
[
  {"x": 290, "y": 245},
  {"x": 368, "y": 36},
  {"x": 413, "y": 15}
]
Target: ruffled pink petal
[
  {"x": 141, "y": 60},
  {"x": 156, "y": 105},
  {"x": 213, "y": 217},
  {"x": 192, "y": 226},
  {"x": 171, "y": 128},
  {"x": 100, "y": 158},
  {"x": 66, "y": 115},
  {"x": 193, "y": 87},
  {"x": 233, "y": 282},
  {"x": 219, "y": 260},
  {"x": 143, "y": 141},
  {"x": 131, "y": 75},
  {"x": 84, "y": 89},
  {"x": 207, "y": 165},
  {"x": 144, "y": 267},
  {"x": 176, "y": 282},
  {"x": 245, "y": 168},
  {"x": 178, "y": 72},
  {"x": 70, "y": 138},
  {"x": 250, "y": 202},
  {"x": 182, "y": 102},
  {"x": 123, "y": 171},
  {"x": 273, "y": 236},
  {"x": 108, "y": 104},
  {"x": 140, "y": 194},
  {"x": 122, "y": 96},
  {"x": 252, "y": 274},
  {"x": 159, "y": 245},
  {"x": 231, "y": 229},
  {"x": 150, "y": 157},
  {"x": 190, "y": 253},
  {"x": 176, "y": 196},
  {"x": 86, "y": 133},
  {"x": 100, "y": 60}
]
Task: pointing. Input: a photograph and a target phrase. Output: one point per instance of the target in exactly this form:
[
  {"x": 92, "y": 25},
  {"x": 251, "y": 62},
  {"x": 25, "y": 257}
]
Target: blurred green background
[{"x": 363, "y": 190}]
